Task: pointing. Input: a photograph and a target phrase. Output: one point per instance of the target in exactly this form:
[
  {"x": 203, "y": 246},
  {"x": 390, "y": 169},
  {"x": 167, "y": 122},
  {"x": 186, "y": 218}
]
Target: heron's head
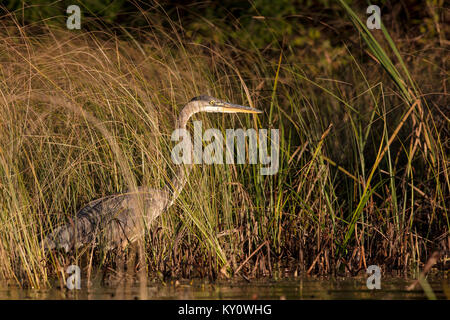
[{"x": 211, "y": 104}]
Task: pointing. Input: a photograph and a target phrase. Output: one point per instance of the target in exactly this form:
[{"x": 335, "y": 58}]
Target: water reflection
[{"x": 295, "y": 288}]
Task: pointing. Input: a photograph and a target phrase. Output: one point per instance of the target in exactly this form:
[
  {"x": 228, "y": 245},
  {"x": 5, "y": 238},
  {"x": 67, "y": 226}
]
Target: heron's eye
[{"x": 212, "y": 102}]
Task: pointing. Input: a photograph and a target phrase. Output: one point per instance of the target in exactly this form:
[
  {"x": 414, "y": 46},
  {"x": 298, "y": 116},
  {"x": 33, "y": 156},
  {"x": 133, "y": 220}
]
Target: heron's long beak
[{"x": 235, "y": 108}]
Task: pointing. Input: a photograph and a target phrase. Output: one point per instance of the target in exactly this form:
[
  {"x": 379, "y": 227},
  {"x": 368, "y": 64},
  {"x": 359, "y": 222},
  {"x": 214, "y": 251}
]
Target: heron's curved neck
[{"x": 182, "y": 172}]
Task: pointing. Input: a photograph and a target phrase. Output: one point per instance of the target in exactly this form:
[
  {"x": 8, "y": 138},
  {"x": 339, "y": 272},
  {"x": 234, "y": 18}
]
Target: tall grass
[{"x": 363, "y": 175}]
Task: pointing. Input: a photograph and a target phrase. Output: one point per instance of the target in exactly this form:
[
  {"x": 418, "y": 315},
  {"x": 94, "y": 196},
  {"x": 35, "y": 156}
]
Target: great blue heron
[{"x": 117, "y": 220}]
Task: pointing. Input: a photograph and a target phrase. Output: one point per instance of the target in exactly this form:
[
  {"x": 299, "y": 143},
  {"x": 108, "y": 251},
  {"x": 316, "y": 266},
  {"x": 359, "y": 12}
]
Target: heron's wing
[{"x": 111, "y": 220}]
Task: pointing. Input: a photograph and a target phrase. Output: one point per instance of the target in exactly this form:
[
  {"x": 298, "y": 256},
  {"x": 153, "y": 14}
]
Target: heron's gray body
[
  {"x": 110, "y": 222},
  {"x": 116, "y": 220}
]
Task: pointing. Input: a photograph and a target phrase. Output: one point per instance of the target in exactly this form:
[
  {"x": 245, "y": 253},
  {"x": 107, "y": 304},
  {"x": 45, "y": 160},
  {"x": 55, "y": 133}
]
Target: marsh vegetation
[{"x": 364, "y": 141}]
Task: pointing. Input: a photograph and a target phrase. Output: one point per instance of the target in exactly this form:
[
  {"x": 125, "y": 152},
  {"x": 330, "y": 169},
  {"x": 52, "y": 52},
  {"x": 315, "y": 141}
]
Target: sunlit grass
[{"x": 84, "y": 115}]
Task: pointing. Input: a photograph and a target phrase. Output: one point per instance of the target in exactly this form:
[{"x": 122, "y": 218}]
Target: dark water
[{"x": 295, "y": 288}]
